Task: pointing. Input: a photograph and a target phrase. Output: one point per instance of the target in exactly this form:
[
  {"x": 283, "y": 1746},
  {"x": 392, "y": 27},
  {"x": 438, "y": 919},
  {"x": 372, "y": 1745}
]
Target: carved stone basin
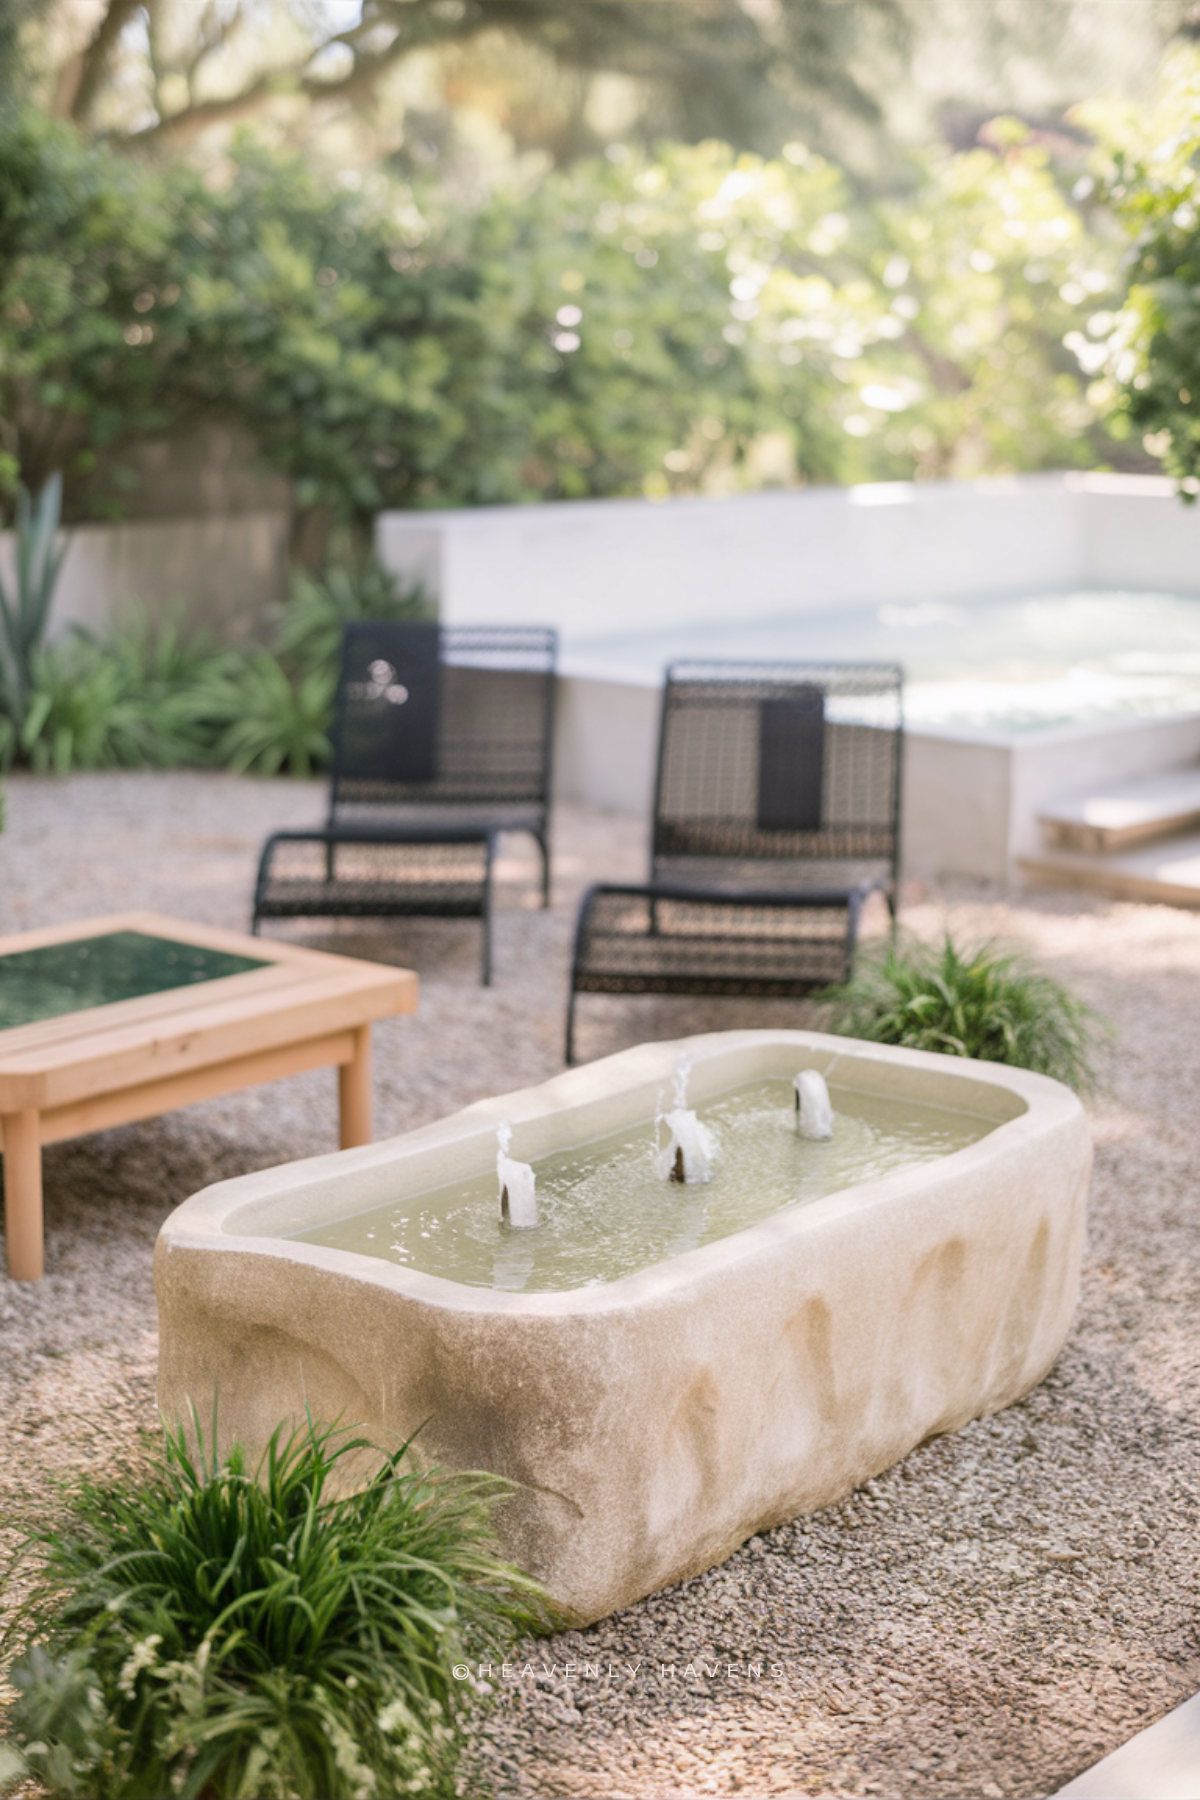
[{"x": 651, "y": 1423}]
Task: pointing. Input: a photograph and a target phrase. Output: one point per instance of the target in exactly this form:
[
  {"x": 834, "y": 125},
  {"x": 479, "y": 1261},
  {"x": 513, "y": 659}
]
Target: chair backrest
[
  {"x": 449, "y": 717},
  {"x": 778, "y": 775}
]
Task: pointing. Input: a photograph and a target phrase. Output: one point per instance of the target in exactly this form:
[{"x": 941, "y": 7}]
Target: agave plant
[{"x": 25, "y": 604}]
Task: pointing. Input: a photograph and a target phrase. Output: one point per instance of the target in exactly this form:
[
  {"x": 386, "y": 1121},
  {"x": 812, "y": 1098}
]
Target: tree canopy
[
  {"x": 1144, "y": 356},
  {"x": 639, "y": 320},
  {"x": 856, "y": 79},
  {"x": 633, "y": 324}
]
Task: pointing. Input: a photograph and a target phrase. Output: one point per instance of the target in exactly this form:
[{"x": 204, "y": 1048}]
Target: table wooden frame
[{"x": 107, "y": 1065}]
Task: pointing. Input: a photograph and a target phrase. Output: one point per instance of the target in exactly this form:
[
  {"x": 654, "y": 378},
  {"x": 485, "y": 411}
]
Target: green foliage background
[
  {"x": 692, "y": 319},
  {"x": 1145, "y": 357}
]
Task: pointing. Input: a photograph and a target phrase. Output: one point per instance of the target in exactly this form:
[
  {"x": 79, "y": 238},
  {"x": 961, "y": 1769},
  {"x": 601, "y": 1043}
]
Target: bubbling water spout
[
  {"x": 814, "y": 1110},
  {"x": 689, "y": 1155},
  {"x": 518, "y": 1199}
]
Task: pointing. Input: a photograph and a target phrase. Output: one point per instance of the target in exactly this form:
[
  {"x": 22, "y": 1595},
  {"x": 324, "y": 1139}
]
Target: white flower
[{"x": 141, "y": 1657}]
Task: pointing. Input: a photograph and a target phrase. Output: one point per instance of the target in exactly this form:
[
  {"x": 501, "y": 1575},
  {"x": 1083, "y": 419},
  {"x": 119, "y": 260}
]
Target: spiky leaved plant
[
  {"x": 986, "y": 1002},
  {"x": 213, "y": 1630},
  {"x": 25, "y": 600},
  {"x": 265, "y": 720}
]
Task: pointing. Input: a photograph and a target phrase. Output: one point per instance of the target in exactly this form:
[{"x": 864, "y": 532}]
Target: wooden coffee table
[{"x": 124, "y": 1017}]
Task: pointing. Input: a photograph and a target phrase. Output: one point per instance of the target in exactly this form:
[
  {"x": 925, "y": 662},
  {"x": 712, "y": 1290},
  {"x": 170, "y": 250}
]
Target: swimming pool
[{"x": 1021, "y": 664}]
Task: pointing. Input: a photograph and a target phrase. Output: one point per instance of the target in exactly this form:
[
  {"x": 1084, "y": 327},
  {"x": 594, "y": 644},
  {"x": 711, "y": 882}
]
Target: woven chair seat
[
  {"x": 323, "y": 874},
  {"x": 317, "y": 872},
  {"x": 672, "y": 941}
]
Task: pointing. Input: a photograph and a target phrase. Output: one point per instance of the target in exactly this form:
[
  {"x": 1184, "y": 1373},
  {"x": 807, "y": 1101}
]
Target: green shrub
[
  {"x": 162, "y": 658},
  {"x": 209, "y": 1631},
  {"x": 81, "y": 713},
  {"x": 134, "y": 697},
  {"x": 320, "y": 608},
  {"x": 389, "y": 348},
  {"x": 266, "y": 719},
  {"x": 987, "y": 1002}
]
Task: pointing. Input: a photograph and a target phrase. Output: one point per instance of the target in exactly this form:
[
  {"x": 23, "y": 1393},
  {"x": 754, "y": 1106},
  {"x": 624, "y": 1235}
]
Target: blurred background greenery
[{"x": 448, "y": 252}]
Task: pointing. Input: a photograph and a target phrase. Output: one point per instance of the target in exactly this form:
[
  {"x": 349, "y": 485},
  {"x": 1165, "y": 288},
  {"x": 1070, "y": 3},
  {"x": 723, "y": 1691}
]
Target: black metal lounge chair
[
  {"x": 776, "y": 812},
  {"x": 442, "y": 739}
]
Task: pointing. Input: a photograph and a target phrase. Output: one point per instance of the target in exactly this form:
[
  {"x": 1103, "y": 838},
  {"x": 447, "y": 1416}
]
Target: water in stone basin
[{"x": 604, "y": 1209}]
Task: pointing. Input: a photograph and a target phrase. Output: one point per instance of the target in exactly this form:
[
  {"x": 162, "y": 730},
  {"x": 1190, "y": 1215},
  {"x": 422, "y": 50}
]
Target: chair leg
[
  {"x": 486, "y": 919},
  {"x": 545, "y": 850},
  {"x": 260, "y": 884},
  {"x": 570, "y": 1047}
]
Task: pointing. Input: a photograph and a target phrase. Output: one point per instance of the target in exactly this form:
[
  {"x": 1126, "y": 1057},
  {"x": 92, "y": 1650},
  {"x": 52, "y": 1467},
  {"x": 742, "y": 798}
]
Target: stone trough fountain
[{"x": 674, "y": 1297}]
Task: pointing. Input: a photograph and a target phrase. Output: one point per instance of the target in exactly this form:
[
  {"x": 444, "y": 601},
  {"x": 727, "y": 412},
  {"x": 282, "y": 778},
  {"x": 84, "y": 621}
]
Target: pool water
[
  {"x": 1022, "y": 664},
  {"x": 605, "y": 1211}
]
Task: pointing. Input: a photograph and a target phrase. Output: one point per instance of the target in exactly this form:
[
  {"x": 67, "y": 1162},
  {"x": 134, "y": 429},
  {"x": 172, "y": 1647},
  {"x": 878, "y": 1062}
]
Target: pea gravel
[{"x": 989, "y": 1617}]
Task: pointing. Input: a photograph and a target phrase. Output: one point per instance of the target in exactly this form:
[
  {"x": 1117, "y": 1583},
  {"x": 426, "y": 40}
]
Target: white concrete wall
[
  {"x": 971, "y": 799},
  {"x": 600, "y": 566},
  {"x": 609, "y": 566},
  {"x": 593, "y": 567},
  {"x": 1137, "y": 533},
  {"x": 956, "y": 805},
  {"x": 227, "y": 570},
  {"x": 606, "y": 741}
]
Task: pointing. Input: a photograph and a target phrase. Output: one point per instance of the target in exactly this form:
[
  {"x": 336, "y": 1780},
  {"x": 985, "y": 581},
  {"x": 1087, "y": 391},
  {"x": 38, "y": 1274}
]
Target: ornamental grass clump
[
  {"x": 986, "y": 1002},
  {"x": 216, "y": 1631}
]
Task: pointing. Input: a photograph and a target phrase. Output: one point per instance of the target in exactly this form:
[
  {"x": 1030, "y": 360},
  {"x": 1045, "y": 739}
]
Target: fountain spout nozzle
[
  {"x": 814, "y": 1109},
  {"x": 690, "y": 1153},
  {"x": 518, "y": 1196}
]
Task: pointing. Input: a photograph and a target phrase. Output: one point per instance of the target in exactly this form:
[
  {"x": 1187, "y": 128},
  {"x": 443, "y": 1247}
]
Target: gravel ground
[{"x": 989, "y": 1617}]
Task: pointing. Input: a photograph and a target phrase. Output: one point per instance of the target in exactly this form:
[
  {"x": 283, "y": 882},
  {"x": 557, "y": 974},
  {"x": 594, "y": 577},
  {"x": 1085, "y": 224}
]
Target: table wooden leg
[
  {"x": 354, "y": 1092},
  {"x": 23, "y": 1195}
]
